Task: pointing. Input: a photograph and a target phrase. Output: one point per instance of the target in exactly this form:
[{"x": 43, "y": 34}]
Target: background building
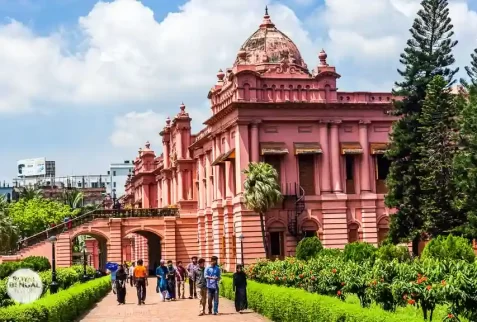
[
  {"x": 31, "y": 171},
  {"x": 118, "y": 174}
]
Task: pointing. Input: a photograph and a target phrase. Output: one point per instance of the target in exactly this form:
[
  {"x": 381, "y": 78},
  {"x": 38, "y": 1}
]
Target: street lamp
[
  {"x": 54, "y": 283},
  {"x": 85, "y": 276},
  {"x": 241, "y": 249}
]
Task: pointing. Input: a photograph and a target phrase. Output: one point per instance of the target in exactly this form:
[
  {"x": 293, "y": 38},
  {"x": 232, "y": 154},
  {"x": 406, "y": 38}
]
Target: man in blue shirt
[{"x": 212, "y": 276}]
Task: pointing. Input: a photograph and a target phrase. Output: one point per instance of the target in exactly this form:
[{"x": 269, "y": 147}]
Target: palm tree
[
  {"x": 262, "y": 192},
  {"x": 30, "y": 192},
  {"x": 74, "y": 198}
]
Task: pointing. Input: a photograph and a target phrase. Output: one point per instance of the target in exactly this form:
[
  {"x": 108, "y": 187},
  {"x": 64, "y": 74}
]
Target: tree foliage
[
  {"x": 449, "y": 248},
  {"x": 37, "y": 214},
  {"x": 428, "y": 54},
  {"x": 438, "y": 148},
  {"x": 73, "y": 198},
  {"x": 261, "y": 192},
  {"x": 30, "y": 192},
  {"x": 308, "y": 248},
  {"x": 8, "y": 230}
]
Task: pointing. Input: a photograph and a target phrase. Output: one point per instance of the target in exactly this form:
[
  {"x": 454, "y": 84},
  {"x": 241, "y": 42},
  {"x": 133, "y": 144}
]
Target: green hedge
[
  {"x": 287, "y": 304},
  {"x": 66, "y": 305},
  {"x": 36, "y": 263},
  {"x": 66, "y": 277}
]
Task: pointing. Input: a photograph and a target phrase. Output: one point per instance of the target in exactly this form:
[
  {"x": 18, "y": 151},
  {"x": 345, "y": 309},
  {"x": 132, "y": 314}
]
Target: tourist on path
[
  {"x": 121, "y": 280},
  {"x": 239, "y": 285},
  {"x": 181, "y": 275},
  {"x": 140, "y": 275},
  {"x": 199, "y": 277},
  {"x": 131, "y": 274},
  {"x": 191, "y": 268},
  {"x": 171, "y": 280},
  {"x": 161, "y": 286},
  {"x": 212, "y": 275}
]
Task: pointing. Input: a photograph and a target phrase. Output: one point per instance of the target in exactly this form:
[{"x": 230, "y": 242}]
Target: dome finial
[
  {"x": 266, "y": 23},
  {"x": 322, "y": 57}
]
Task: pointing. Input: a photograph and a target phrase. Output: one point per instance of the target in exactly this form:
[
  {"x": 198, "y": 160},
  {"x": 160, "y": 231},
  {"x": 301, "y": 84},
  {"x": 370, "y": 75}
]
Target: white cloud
[
  {"x": 135, "y": 128},
  {"x": 121, "y": 55}
]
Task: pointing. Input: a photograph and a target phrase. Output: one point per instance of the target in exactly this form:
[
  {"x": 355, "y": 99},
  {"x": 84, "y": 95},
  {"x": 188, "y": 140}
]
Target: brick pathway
[{"x": 108, "y": 310}]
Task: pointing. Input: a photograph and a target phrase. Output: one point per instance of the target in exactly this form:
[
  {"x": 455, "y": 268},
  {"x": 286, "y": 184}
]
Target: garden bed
[{"x": 66, "y": 305}]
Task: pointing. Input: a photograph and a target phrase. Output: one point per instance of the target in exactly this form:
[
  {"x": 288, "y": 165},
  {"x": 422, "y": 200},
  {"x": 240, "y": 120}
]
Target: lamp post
[
  {"x": 54, "y": 283},
  {"x": 241, "y": 248},
  {"x": 85, "y": 275}
]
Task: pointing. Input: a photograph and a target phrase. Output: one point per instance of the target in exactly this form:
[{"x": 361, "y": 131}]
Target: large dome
[{"x": 269, "y": 45}]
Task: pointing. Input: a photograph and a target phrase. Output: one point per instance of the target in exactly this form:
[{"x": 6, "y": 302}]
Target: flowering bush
[{"x": 423, "y": 284}]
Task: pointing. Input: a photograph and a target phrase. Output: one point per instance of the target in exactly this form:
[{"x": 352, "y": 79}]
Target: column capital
[
  {"x": 335, "y": 122},
  {"x": 255, "y": 123},
  {"x": 364, "y": 122},
  {"x": 324, "y": 122}
]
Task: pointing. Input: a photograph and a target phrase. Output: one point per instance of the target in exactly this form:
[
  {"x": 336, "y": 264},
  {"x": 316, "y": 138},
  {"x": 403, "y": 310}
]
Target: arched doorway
[
  {"x": 145, "y": 245},
  {"x": 91, "y": 247}
]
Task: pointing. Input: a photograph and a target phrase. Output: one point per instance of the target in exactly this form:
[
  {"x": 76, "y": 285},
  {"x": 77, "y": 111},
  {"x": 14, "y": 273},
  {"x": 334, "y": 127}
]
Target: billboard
[{"x": 31, "y": 167}]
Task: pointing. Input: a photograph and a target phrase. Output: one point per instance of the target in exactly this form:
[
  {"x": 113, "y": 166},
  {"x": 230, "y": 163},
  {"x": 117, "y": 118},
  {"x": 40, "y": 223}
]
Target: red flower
[
  {"x": 428, "y": 287},
  {"x": 284, "y": 278},
  {"x": 276, "y": 278},
  {"x": 301, "y": 275},
  {"x": 338, "y": 293},
  {"x": 443, "y": 283},
  {"x": 412, "y": 302},
  {"x": 404, "y": 297},
  {"x": 313, "y": 278},
  {"x": 343, "y": 284},
  {"x": 450, "y": 316},
  {"x": 334, "y": 270}
]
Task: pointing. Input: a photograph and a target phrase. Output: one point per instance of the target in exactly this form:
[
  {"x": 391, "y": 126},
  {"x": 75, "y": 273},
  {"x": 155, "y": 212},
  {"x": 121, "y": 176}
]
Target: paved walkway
[{"x": 108, "y": 310}]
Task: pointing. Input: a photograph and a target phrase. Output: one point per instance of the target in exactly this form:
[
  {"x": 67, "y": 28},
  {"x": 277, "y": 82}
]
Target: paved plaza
[{"x": 186, "y": 310}]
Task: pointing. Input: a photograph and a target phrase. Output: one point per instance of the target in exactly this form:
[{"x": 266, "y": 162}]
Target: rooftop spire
[{"x": 266, "y": 23}]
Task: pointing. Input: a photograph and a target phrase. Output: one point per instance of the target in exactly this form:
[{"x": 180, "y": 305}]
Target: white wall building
[{"x": 118, "y": 173}]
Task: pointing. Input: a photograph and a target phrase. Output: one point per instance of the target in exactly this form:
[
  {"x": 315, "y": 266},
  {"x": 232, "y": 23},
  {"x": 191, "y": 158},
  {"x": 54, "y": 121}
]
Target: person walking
[
  {"x": 161, "y": 286},
  {"x": 239, "y": 286},
  {"x": 121, "y": 280},
  {"x": 131, "y": 274},
  {"x": 171, "y": 280},
  {"x": 212, "y": 275},
  {"x": 181, "y": 275},
  {"x": 191, "y": 268},
  {"x": 199, "y": 277},
  {"x": 140, "y": 276}
]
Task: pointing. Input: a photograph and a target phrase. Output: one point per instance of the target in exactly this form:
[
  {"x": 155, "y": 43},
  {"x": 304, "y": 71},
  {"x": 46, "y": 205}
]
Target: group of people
[{"x": 203, "y": 283}]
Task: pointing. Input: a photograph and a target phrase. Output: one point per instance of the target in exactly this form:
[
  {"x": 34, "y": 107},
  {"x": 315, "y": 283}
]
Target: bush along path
[
  {"x": 64, "y": 306},
  {"x": 66, "y": 277},
  {"x": 437, "y": 288}
]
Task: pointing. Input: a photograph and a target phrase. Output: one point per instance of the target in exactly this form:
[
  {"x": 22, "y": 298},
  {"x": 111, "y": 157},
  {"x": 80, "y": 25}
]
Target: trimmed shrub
[
  {"x": 66, "y": 305},
  {"x": 390, "y": 252},
  {"x": 334, "y": 252},
  {"x": 449, "y": 248},
  {"x": 308, "y": 248},
  {"x": 35, "y": 263},
  {"x": 66, "y": 277},
  {"x": 359, "y": 252},
  {"x": 287, "y": 304}
]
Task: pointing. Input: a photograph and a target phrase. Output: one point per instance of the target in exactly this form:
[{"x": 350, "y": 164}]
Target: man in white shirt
[{"x": 131, "y": 274}]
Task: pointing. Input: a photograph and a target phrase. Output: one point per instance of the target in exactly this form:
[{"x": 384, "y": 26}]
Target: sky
[{"x": 86, "y": 83}]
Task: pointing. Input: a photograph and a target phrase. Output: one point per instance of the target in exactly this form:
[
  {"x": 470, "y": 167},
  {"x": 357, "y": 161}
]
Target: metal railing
[{"x": 90, "y": 216}]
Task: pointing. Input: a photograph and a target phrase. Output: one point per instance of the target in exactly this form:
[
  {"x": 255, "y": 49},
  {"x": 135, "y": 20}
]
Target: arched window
[{"x": 353, "y": 233}]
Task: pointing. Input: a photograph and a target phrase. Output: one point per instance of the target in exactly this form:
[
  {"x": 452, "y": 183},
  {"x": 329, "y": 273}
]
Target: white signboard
[
  {"x": 31, "y": 167},
  {"x": 24, "y": 286}
]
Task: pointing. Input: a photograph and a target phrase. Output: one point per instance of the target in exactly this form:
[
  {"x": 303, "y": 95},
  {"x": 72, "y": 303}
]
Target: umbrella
[{"x": 112, "y": 266}]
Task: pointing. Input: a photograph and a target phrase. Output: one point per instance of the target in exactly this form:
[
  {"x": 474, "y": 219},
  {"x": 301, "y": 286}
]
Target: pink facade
[{"x": 326, "y": 145}]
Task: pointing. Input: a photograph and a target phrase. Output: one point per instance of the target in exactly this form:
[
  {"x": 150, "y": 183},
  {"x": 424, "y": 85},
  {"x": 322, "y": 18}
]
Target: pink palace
[{"x": 326, "y": 145}]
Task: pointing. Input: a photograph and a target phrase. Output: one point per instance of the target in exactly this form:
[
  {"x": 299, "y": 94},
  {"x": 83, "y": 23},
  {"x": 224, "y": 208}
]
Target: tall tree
[
  {"x": 8, "y": 230},
  {"x": 438, "y": 149},
  {"x": 428, "y": 53},
  {"x": 466, "y": 159},
  {"x": 261, "y": 192},
  {"x": 472, "y": 69}
]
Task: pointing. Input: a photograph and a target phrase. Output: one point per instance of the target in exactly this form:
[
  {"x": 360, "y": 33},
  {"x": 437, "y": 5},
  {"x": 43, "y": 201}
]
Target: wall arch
[
  {"x": 93, "y": 233},
  {"x": 383, "y": 228},
  {"x": 137, "y": 230},
  {"x": 355, "y": 231}
]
